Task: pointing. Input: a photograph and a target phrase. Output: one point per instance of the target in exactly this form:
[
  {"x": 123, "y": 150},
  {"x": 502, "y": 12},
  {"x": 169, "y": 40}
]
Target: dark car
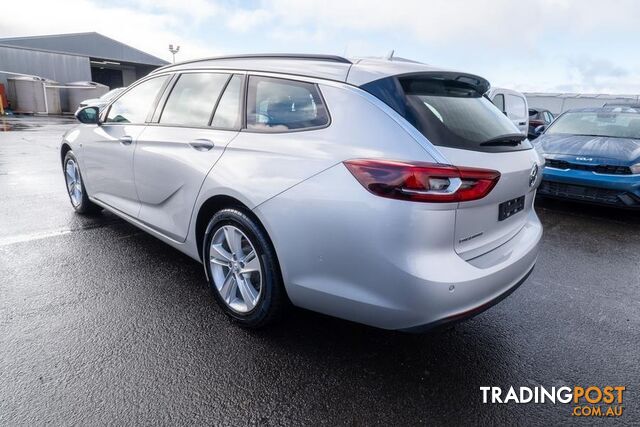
[
  {"x": 593, "y": 155},
  {"x": 538, "y": 117}
]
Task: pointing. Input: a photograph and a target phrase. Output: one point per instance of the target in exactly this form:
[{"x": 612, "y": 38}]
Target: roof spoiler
[{"x": 480, "y": 84}]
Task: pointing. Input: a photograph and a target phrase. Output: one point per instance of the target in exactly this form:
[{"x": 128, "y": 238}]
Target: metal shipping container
[{"x": 33, "y": 95}]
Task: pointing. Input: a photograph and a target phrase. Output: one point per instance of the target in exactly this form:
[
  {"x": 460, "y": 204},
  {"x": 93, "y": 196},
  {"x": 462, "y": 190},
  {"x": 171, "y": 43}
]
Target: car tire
[
  {"x": 257, "y": 299},
  {"x": 75, "y": 186}
]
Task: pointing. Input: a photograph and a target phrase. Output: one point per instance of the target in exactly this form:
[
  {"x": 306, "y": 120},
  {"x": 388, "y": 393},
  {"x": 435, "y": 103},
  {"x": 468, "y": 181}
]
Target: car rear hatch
[
  {"x": 452, "y": 112},
  {"x": 483, "y": 225}
]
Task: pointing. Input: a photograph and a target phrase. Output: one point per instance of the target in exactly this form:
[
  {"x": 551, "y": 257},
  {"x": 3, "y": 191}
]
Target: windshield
[
  {"x": 450, "y": 113},
  {"x": 593, "y": 123}
]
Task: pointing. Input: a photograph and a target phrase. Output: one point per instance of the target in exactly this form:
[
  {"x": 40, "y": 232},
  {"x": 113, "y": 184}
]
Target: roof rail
[{"x": 302, "y": 57}]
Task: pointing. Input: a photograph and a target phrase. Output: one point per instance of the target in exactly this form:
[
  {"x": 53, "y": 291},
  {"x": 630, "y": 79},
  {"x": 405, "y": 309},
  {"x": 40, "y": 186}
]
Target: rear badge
[{"x": 466, "y": 239}]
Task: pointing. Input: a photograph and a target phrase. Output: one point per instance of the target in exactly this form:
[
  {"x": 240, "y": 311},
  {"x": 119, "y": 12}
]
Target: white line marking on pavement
[{"x": 10, "y": 240}]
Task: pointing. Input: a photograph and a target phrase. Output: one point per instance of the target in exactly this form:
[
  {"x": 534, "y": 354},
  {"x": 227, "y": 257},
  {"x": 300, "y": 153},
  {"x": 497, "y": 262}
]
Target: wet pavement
[{"x": 101, "y": 323}]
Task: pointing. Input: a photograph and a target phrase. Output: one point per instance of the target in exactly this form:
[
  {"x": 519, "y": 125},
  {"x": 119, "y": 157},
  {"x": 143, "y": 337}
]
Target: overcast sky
[{"x": 532, "y": 45}]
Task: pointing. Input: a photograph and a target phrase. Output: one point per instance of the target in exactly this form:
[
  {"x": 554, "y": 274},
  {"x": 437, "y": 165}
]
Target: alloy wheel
[
  {"x": 235, "y": 267},
  {"x": 74, "y": 182}
]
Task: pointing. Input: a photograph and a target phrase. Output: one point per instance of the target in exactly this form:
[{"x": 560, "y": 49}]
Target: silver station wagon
[{"x": 386, "y": 192}]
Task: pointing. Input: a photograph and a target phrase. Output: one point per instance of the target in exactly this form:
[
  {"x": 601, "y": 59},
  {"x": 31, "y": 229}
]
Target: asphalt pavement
[{"x": 101, "y": 323}]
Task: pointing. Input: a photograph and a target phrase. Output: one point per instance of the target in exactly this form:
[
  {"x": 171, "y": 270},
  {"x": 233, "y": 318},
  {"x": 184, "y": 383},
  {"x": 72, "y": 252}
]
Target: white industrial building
[{"x": 558, "y": 103}]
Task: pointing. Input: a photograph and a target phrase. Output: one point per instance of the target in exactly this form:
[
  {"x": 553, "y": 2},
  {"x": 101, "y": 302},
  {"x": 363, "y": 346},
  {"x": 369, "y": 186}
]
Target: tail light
[{"x": 422, "y": 182}]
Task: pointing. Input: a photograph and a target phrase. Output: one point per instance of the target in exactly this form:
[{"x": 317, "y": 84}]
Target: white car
[
  {"x": 103, "y": 100},
  {"x": 385, "y": 192},
  {"x": 513, "y": 104}
]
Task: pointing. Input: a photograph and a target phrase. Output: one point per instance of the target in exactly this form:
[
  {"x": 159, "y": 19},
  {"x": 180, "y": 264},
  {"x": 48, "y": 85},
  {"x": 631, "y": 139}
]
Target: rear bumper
[
  {"x": 456, "y": 318},
  {"x": 489, "y": 279},
  {"x": 418, "y": 291},
  {"x": 386, "y": 263},
  {"x": 584, "y": 186}
]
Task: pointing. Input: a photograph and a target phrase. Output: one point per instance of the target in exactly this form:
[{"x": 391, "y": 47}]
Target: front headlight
[{"x": 635, "y": 168}]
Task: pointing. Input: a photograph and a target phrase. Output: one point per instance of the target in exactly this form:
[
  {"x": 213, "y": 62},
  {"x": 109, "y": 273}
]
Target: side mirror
[
  {"x": 538, "y": 131},
  {"x": 88, "y": 115}
]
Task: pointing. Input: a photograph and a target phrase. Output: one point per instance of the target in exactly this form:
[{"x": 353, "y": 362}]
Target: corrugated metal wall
[{"x": 55, "y": 66}]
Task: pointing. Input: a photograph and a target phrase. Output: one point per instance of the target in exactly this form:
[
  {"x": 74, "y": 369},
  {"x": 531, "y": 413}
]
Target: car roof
[{"x": 356, "y": 71}]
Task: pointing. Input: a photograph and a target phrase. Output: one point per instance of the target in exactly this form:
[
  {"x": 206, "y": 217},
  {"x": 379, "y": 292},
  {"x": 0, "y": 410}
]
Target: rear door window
[
  {"x": 280, "y": 105},
  {"x": 193, "y": 99},
  {"x": 227, "y": 115}
]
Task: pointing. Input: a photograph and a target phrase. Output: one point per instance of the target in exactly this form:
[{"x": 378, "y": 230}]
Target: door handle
[
  {"x": 202, "y": 144},
  {"x": 126, "y": 140},
  {"x": 522, "y": 123}
]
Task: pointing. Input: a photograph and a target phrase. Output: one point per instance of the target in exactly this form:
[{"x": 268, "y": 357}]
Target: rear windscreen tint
[{"x": 449, "y": 113}]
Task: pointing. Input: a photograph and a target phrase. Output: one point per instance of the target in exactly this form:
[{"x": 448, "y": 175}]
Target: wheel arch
[
  {"x": 64, "y": 149},
  {"x": 221, "y": 201},
  {"x": 216, "y": 203}
]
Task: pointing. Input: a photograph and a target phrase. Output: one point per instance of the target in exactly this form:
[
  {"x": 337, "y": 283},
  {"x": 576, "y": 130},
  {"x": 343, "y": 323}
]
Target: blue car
[{"x": 593, "y": 155}]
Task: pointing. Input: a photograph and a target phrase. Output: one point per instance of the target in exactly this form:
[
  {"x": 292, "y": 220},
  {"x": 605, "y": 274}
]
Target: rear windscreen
[{"x": 449, "y": 113}]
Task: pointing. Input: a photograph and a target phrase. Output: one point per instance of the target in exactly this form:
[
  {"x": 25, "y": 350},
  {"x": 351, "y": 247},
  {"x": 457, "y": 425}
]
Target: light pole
[{"x": 174, "y": 51}]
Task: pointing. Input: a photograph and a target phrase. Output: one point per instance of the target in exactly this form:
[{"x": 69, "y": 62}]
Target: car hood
[{"x": 622, "y": 150}]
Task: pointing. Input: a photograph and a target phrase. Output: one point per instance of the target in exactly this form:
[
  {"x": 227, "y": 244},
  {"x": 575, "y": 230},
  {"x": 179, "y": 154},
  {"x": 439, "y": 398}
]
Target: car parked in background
[
  {"x": 593, "y": 155},
  {"x": 513, "y": 104},
  {"x": 385, "y": 192},
  {"x": 538, "y": 117},
  {"x": 103, "y": 100}
]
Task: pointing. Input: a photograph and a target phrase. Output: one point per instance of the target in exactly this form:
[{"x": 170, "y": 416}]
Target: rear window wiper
[{"x": 507, "y": 139}]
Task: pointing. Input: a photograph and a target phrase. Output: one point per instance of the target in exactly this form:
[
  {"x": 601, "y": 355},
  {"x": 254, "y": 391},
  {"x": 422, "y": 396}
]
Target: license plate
[{"x": 510, "y": 207}]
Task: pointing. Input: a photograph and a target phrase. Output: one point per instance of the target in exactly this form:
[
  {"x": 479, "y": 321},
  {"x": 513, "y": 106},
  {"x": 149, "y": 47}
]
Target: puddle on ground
[
  {"x": 26, "y": 123},
  {"x": 7, "y": 126}
]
